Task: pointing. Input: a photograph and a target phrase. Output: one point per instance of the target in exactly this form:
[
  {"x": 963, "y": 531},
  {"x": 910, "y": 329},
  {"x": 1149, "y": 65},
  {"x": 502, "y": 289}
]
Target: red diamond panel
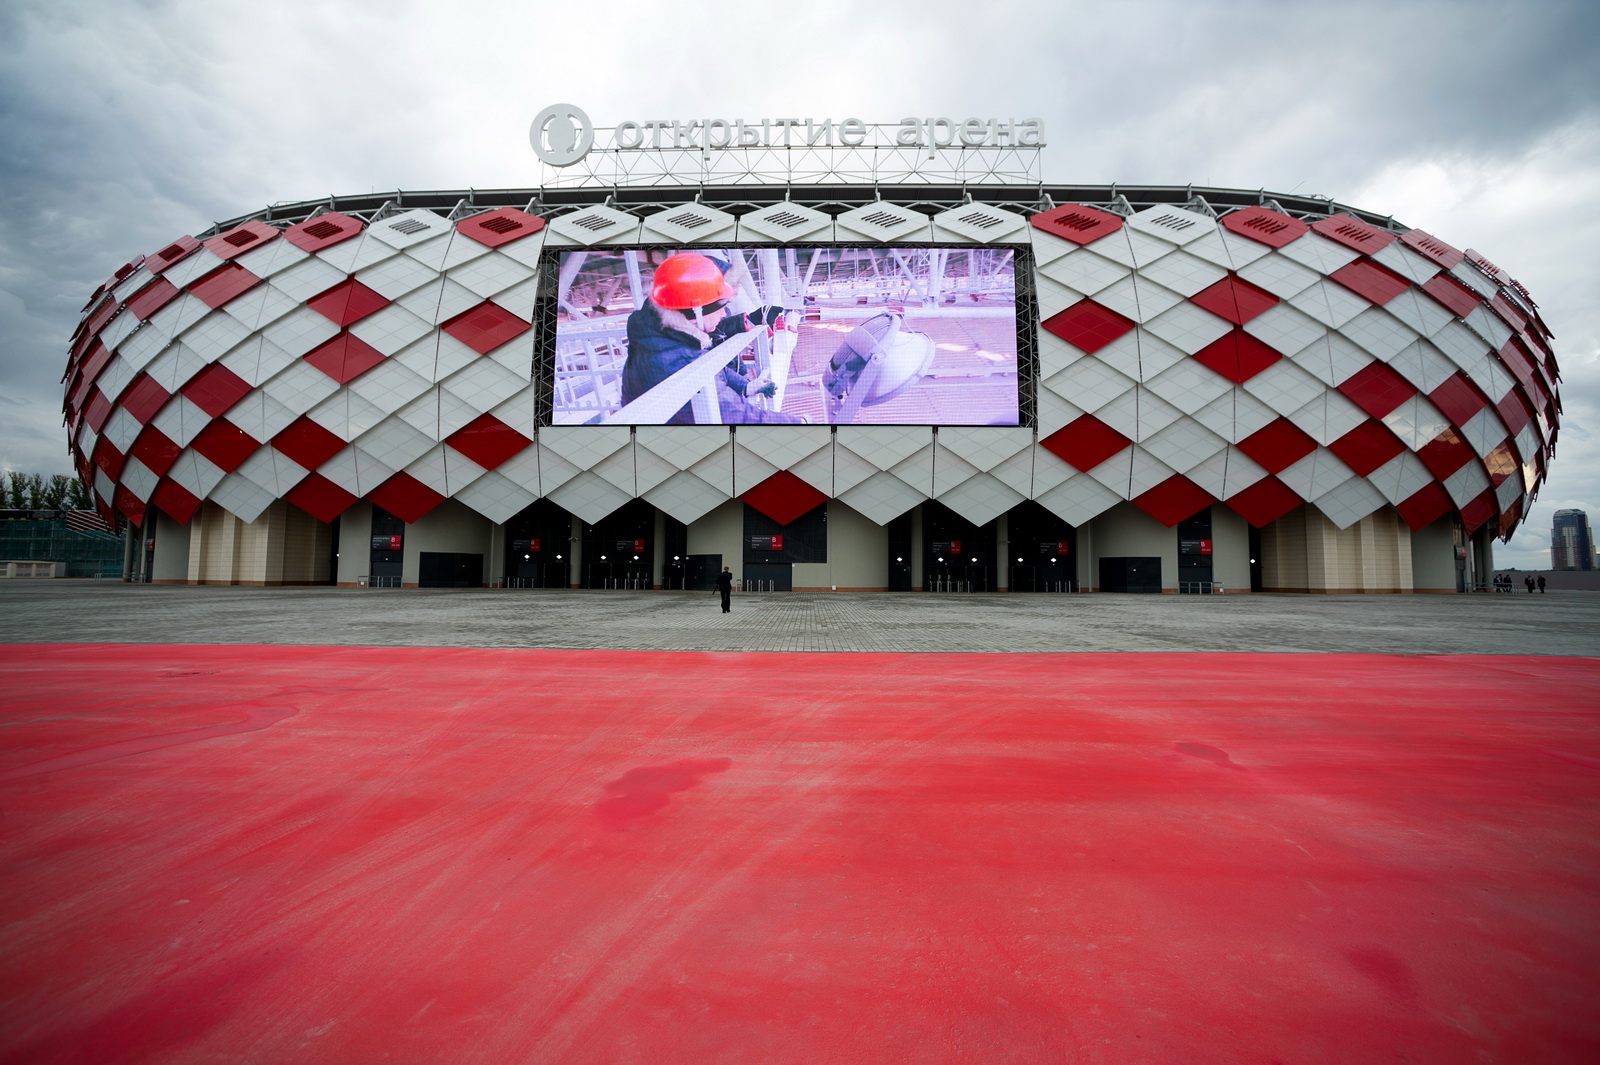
[
  {"x": 1480, "y": 511},
  {"x": 487, "y": 440},
  {"x": 215, "y": 389},
  {"x": 1352, "y": 232},
  {"x": 155, "y": 450},
  {"x": 144, "y": 397},
  {"x": 1235, "y": 299},
  {"x": 1377, "y": 389},
  {"x": 99, "y": 355},
  {"x": 323, "y": 231},
  {"x": 175, "y": 501},
  {"x": 1501, "y": 463},
  {"x": 1087, "y": 325},
  {"x": 1238, "y": 356},
  {"x": 247, "y": 236},
  {"x": 108, "y": 458},
  {"x": 1086, "y": 443},
  {"x": 1077, "y": 223},
  {"x": 1367, "y": 278},
  {"x": 345, "y": 357},
  {"x": 1278, "y": 445},
  {"x": 1508, "y": 312},
  {"x": 1266, "y": 226},
  {"x": 130, "y": 505},
  {"x": 783, "y": 497},
  {"x": 308, "y": 443},
  {"x": 1432, "y": 247},
  {"x": 1513, "y": 411},
  {"x": 1425, "y": 507},
  {"x": 1445, "y": 454},
  {"x": 1264, "y": 502},
  {"x": 224, "y": 284},
  {"x": 1459, "y": 398},
  {"x": 98, "y": 411},
  {"x": 485, "y": 327},
  {"x": 405, "y": 497},
  {"x": 225, "y": 444},
  {"x": 1173, "y": 500},
  {"x": 172, "y": 255},
  {"x": 102, "y": 317},
  {"x": 1515, "y": 358},
  {"x": 320, "y": 497},
  {"x": 348, "y": 301},
  {"x": 1452, "y": 295},
  {"x": 1367, "y": 446},
  {"x": 152, "y": 298},
  {"x": 494, "y": 228}
]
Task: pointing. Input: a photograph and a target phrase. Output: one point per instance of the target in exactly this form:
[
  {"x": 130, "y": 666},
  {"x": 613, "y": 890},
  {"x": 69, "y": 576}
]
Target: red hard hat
[{"x": 687, "y": 281}]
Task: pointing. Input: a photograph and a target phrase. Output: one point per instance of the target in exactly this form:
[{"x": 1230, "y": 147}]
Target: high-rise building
[{"x": 1571, "y": 541}]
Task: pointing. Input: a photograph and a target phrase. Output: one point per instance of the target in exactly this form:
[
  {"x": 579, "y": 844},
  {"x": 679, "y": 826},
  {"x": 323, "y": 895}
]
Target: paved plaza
[{"x": 1556, "y": 623}]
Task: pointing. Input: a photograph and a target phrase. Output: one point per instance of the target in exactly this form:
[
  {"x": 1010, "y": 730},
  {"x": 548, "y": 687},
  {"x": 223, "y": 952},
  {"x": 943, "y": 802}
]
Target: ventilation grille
[
  {"x": 1266, "y": 224},
  {"x": 594, "y": 223},
  {"x": 170, "y": 252},
  {"x": 239, "y": 240},
  {"x": 322, "y": 230},
  {"x": 409, "y": 226},
  {"x": 1433, "y": 247},
  {"x": 981, "y": 219},
  {"x": 688, "y": 220},
  {"x": 883, "y": 219},
  {"x": 501, "y": 224},
  {"x": 1078, "y": 223},
  {"x": 786, "y": 219},
  {"x": 1174, "y": 222}
]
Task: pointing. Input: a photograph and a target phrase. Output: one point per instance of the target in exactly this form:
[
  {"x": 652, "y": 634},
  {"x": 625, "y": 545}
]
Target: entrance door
[{"x": 1131, "y": 574}]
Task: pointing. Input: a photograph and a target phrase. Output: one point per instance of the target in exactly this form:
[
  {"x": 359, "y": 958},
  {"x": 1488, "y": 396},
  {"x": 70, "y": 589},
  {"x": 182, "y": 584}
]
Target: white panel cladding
[
  {"x": 272, "y": 257},
  {"x": 1176, "y": 224},
  {"x": 1079, "y": 499},
  {"x": 397, "y": 440},
  {"x": 438, "y": 412},
  {"x": 195, "y": 473},
  {"x": 1316, "y": 474},
  {"x": 593, "y": 226},
  {"x": 1188, "y": 327},
  {"x": 406, "y": 229},
  {"x": 685, "y": 497},
  {"x": 356, "y": 470},
  {"x": 1329, "y": 303},
  {"x": 816, "y": 469},
  {"x": 121, "y": 431},
  {"x": 783, "y": 445},
  {"x": 1017, "y": 471},
  {"x": 885, "y": 223},
  {"x": 261, "y": 416},
  {"x": 1083, "y": 271},
  {"x": 981, "y": 498},
  {"x": 881, "y": 498},
  {"x": 589, "y": 496},
  {"x": 786, "y": 223},
  {"x": 1285, "y": 329},
  {"x": 916, "y": 470},
  {"x": 215, "y": 335},
  {"x": 979, "y": 223},
  {"x": 749, "y": 469},
  {"x": 949, "y": 470},
  {"x": 586, "y": 446},
  {"x": 137, "y": 478},
  {"x": 1379, "y": 332},
  {"x": 258, "y": 360},
  {"x": 496, "y": 497},
  {"x": 1350, "y": 502},
  {"x": 1420, "y": 312},
  {"x": 390, "y": 385},
  {"x": 1419, "y": 269},
  {"x": 1184, "y": 444},
  {"x": 649, "y": 469},
  {"x": 197, "y": 265},
  {"x": 310, "y": 277},
  {"x": 1281, "y": 276},
  {"x": 434, "y": 356},
  {"x": 300, "y": 386},
  {"x": 346, "y": 414},
  {"x": 447, "y": 252},
  {"x": 445, "y": 470},
  {"x": 1189, "y": 385},
  {"x": 1317, "y": 252},
  {"x": 1401, "y": 477},
  {"x": 241, "y": 497},
  {"x": 1328, "y": 417},
  {"x": 181, "y": 421},
  {"x": 396, "y": 276},
  {"x": 618, "y": 468},
  {"x": 985, "y": 447},
  {"x": 272, "y": 470},
  {"x": 494, "y": 274},
  {"x": 300, "y": 331},
  {"x": 353, "y": 255},
  {"x": 1116, "y": 472},
  {"x": 524, "y": 468},
  {"x": 849, "y": 470},
  {"x": 1183, "y": 273},
  {"x": 689, "y": 223},
  {"x": 1227, "y": 250},
  {"x": 390, "y": 329},
  {"x": 884, "y": 445},
  {"x": 681, "y": 445},
  {"x": 716, "y": 469},
  {"x": 1054, "y": 297}
]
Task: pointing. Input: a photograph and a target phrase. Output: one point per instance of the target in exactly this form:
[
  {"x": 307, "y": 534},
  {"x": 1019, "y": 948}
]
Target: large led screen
[{"x": 786, "y": 336}]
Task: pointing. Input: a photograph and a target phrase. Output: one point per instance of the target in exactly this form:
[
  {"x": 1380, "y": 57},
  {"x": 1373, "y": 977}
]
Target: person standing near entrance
[{"x": 725, "y": 588}]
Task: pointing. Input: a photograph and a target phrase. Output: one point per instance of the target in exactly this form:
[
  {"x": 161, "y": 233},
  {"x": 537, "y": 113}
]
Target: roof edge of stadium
[{"x": 832, "y": 198}]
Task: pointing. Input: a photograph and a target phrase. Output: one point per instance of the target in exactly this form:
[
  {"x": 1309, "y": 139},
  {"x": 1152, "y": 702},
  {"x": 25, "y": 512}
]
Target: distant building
[{"x": 1571, "y": 541}]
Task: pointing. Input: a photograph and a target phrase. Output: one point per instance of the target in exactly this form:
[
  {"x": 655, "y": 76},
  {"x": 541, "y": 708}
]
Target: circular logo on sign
[{"x": 561, "y": 134}]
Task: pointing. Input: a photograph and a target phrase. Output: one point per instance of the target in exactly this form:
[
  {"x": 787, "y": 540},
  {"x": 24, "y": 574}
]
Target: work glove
[
  {"x": 770, "y": 388},
  {"x": 770, "y": 317}
]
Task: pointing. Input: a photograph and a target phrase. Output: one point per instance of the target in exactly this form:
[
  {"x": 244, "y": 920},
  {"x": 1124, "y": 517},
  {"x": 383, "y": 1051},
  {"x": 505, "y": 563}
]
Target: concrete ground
[
  {"x": 342, "y": 826},
  {"x": 1556, "y": 623}
]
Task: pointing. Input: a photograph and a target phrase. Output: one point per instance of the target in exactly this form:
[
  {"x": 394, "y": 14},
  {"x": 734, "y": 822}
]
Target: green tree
[
  {"x": 78, "y": 496},
  {"x": 17, "y": 490},
  {"x": 55, "y": 492}
]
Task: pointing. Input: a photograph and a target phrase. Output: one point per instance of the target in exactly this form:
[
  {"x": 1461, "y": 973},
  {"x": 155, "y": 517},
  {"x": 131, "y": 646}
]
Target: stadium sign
[{"x": 563, "y": 134}]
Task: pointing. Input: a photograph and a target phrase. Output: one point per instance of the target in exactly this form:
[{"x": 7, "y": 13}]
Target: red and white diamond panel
[
  {"x": 1264, "y": 362},
  {"x": 1255, "y": 359}
]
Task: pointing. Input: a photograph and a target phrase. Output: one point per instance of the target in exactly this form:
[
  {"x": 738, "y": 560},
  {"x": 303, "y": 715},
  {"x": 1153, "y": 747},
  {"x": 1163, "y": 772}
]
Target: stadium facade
[{"x": 1214, "y": 390}]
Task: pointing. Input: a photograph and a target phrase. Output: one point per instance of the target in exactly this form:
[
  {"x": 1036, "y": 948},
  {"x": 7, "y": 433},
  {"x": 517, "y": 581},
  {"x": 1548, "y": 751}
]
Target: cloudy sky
[{"x": 126, "y": 123}]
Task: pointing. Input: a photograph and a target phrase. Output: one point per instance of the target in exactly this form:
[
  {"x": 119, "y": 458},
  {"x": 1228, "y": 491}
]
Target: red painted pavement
[{"x": 353, "y": 855}]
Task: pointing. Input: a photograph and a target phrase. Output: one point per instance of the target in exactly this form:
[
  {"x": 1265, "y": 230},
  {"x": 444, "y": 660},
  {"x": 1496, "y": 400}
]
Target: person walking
[
  {"x": 1528, "y": 580},
  {"x": 725, "y": 588},
  {"x": 1541, "y": 584}
]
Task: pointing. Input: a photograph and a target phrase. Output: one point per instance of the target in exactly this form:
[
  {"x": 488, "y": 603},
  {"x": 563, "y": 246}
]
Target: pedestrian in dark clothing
[
  {"x": 1528, "y": 580},
  {"x": 1541, "y": 584},
  {"x": 725, "y": 588}
]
